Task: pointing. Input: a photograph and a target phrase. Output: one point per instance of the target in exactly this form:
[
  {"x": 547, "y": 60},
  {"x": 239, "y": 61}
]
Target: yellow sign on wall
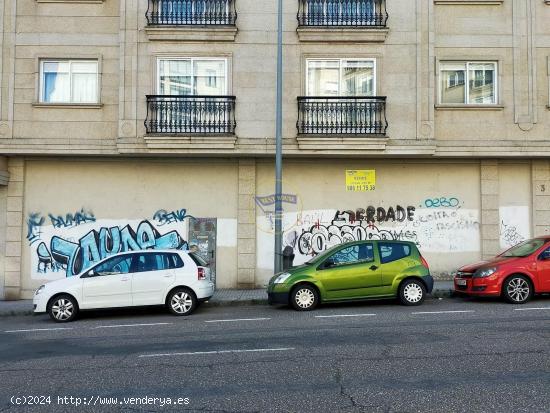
[{"x": 361, "y": 180}]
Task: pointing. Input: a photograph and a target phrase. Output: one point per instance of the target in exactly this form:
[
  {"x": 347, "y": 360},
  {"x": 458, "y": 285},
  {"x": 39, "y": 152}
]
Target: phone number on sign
[{"x": 98, "y": 401}]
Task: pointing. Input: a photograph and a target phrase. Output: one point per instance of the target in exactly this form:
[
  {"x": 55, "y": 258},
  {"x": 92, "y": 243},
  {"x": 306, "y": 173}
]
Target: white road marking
[
  {"x": 443, "y": 312},
  {"x": 133, "y": 325},
  {"x": 236, "y": 319},
  {"x": 532, "y": 309},
  {"x": 344, "y": 315},
  {"x": 38, "y": 329},
  {"x": 195, "y": 353}
]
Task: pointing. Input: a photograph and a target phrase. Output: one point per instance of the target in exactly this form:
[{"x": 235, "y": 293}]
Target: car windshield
[{"x": 524, "y": 249}]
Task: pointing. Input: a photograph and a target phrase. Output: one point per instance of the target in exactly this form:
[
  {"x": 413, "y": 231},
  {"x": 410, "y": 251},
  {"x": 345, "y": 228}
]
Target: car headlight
[
  {"x": 282, "y": 278},
  {"x": 40, "y": 289},
  {"x": 485, "y": 272}
]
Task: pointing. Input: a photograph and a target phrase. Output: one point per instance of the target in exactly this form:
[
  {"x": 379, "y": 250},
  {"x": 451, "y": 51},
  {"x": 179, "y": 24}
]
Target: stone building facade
[{"x": 129, "y": 124}]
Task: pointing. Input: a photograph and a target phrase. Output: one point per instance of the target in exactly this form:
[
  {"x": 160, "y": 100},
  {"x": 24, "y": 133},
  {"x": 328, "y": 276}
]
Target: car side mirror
[
  {"x": 329, "y": 263},
  {"x": 90, "y": 273}
]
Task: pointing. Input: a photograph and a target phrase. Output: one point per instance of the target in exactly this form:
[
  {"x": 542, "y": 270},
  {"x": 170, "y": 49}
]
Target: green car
[{"x": 355, "y": 271}]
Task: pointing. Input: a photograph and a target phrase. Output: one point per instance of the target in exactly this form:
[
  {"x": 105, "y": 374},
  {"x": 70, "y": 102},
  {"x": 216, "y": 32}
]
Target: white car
[{"x": 174, "y": 278}]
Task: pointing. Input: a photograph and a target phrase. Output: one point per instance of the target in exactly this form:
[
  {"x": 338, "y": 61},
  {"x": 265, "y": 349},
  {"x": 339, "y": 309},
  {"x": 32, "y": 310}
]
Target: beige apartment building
[{"x": 133, "y": 124}]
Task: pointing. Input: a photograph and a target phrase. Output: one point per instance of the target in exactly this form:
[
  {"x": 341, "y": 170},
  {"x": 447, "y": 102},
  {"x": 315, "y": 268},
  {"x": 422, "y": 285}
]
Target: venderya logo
[{"x": 265, "y": 211}]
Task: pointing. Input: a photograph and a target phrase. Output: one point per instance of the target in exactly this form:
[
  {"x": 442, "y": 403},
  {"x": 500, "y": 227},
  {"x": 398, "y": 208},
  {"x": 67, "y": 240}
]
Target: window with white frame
[
  {"x": 192, "y": 76},
  {"x": 468, "y": 83},
  {"x": 69, "y": 81},
  {"x": 340, "y": 77}
]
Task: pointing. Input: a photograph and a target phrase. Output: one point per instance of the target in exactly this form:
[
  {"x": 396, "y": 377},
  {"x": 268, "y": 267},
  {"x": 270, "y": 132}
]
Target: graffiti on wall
[
  {"x": 163, "y": 217},
  {"x": 69, "y": 220},
  {"x": 65, "y": 250},
  {"x": 514, "y": 225},
  {"x": 443, "y": 229},
  {"x": 266, "y": 206},
  {"x": 441, "y": 202},
  {"x": 35, "y": 221},
  {"x": 349, "y": 226}
]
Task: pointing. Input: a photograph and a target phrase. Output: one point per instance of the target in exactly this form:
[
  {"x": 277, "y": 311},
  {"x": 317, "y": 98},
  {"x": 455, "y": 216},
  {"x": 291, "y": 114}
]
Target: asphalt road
[{"x": 450, "y": 355}]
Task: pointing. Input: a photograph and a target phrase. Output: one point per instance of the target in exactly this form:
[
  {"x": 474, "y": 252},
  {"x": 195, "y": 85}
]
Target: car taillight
[
  {"x": 424, "y": 262},
  {"x": 201, "y": 273}
]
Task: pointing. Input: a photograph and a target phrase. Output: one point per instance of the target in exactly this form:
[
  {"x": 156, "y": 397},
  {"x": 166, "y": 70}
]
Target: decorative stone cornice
[
  {"x": 342, "y": 35},
  {"x": 192, "y": 34}
]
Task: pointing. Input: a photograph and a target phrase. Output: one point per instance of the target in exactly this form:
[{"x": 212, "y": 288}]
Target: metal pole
[{"x": 279, "y": 145}]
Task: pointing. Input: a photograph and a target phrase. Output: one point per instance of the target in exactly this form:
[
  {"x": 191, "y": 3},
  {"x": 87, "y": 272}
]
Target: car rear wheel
[
  {"x": 182, "y": 301},
  {"x": 304, "y": 298},
  {"x": 412, "y": 292},
  {"x": 63, "y": 309},
  {"x": 517, "y": 289}
]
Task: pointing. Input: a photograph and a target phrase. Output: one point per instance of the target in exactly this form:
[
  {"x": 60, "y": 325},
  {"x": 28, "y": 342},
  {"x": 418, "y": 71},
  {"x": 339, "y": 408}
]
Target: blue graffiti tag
[
  {"x": 70, "y": 220},
  {"x": 442, "y": 202},
  {"x": 34, "y": 222},
  {"x": 164, "y": 217},
  {"x": 75, "y": 257}
]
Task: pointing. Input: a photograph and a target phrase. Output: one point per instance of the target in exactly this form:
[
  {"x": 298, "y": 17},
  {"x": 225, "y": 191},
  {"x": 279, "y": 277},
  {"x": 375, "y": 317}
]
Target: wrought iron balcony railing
[
  {"x": 191, "y": 13},
  {"x": 343, "y": 13},
  {"x": 342, "y": 115},
  {"x": 196, "y": 115}
]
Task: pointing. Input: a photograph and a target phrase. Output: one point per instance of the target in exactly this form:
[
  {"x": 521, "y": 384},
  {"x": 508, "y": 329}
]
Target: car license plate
[{"x": 461, "y": 282}]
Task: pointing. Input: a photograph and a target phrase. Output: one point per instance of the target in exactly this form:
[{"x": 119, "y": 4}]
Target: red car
[{"x": 516, "y": 274}]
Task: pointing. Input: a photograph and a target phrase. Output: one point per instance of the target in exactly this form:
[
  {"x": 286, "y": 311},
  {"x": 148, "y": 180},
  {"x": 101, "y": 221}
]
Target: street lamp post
[{"x": 279, "y": 144}]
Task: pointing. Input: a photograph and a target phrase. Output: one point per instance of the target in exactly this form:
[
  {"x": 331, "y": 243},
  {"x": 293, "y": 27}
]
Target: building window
[
  {"x": 192, "y": 76},
  {"x": 341, "y": 77},
  {"x": 69, "y": 81},
  {"x": 468, "y": 83}
]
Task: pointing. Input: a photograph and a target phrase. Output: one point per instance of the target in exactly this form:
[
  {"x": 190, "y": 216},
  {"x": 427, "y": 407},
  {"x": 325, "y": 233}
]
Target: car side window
[
  {"x": 366, "y": 253},
  {"x": 393, "y": 252},
  {"x": 545, "y": 255},
  {"x": 114, "y": 266},
  {"x": 346, "y": 255},
  {"x": 157, "y": 262},
  {"x": 353, "y": 254},
  {"x": 174, "y": 261},
  {"x": 147, "y": 262}
]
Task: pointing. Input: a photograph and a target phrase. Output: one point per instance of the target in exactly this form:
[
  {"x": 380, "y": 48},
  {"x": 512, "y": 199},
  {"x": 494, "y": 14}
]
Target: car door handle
[
  {"x": 168, "y": 276},
  {"x": 373, "y": 267},
  {"x": 124, "y": 279}
]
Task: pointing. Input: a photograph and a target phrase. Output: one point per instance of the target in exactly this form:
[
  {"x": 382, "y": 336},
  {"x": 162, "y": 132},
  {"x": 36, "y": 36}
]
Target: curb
[
  {"x": 13, "y": 313},
  {"x": 236, "y": 303},
  {"x": 214, "y": 303},
  {"x": 443, "y": 293}
]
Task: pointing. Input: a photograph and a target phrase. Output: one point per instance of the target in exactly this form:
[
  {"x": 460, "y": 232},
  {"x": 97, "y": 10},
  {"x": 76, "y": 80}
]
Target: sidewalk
[{"x": 222, "y": 298}]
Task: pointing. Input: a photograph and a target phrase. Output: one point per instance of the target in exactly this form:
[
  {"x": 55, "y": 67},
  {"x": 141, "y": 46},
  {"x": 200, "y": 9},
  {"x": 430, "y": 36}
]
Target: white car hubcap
[
  {"x": 304, "y": 298},
  {"x": 62, "y": 309},
  {"x": 518, "y": 289},
  {"x": 412, "y": 293},
  {"x": 181, "y": 303}
]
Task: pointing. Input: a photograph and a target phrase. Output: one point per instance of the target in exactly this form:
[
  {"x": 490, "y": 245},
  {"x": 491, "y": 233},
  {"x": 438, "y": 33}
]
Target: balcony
[
  {"x": 195, "y": 122},
  {"x": 342, "y": 123},
  {"x": 342, "y": 20},
  {"x": 191, "y": 20}
]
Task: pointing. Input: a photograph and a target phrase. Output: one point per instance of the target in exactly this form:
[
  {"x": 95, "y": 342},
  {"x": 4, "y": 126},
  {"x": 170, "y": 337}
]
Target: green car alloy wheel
[{"x": 354, "y": 271}]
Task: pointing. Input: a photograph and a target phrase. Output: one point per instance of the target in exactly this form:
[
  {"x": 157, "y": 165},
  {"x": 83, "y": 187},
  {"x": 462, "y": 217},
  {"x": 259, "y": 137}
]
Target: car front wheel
[
  {"x": 412, "y": 292},
  {"x": 182, "y": 301},
  {"x": 517, "y": 289},
  {"x": 304, "y": 298},
  {"x": 63, "y": 309}
]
